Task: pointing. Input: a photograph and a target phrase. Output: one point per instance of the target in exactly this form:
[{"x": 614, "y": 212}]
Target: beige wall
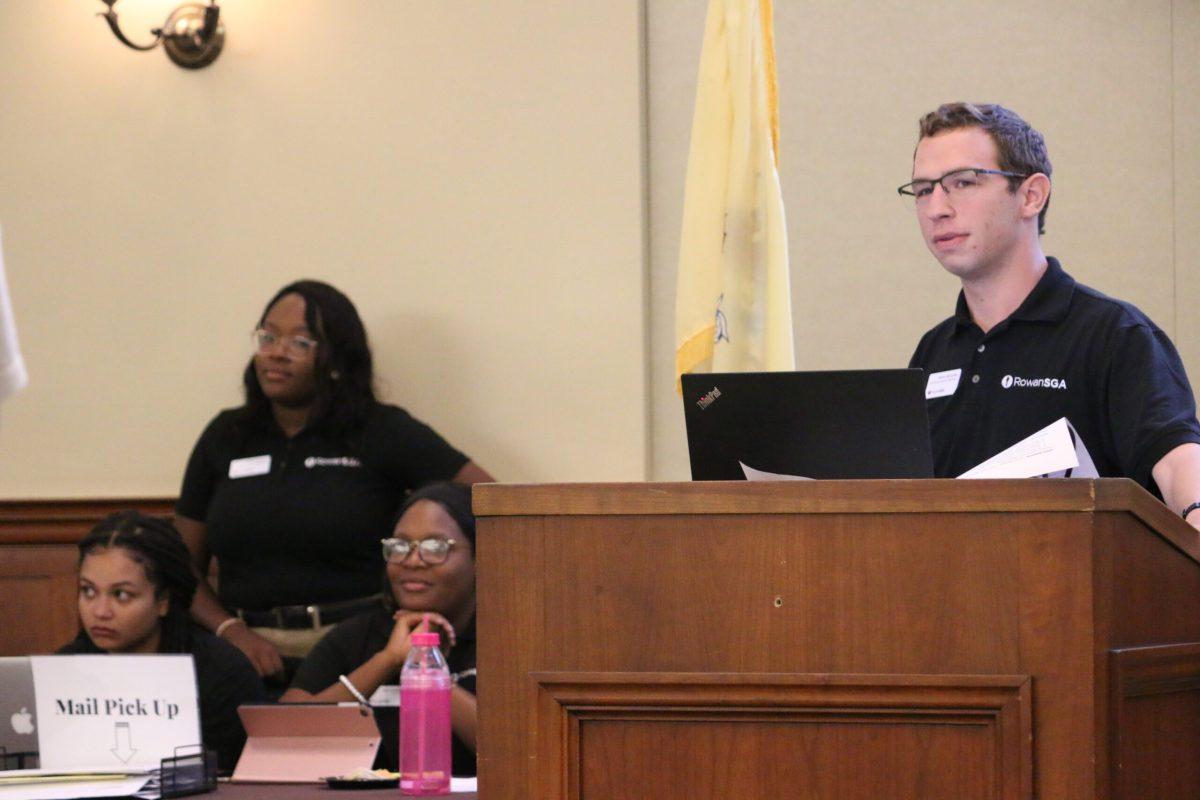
[
  {"x": 1114, "y": 85},
  {"x": 472, "y": 175},
  {"x": 469, "y": 173}
]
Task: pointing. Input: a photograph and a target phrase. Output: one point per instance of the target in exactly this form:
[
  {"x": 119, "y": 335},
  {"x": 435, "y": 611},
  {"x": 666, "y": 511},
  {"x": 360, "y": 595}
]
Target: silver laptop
[{"x": 18, "y": 715}]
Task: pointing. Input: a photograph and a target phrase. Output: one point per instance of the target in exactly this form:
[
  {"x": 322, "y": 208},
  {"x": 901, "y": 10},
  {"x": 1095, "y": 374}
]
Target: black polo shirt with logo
[
  {"x": 298, "y": 521},
  {"x": 1067, "y": 351}
]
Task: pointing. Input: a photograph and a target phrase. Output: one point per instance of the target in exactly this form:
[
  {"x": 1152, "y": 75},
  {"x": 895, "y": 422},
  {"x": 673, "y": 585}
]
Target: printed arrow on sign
[{"x": 123, "y": 742}]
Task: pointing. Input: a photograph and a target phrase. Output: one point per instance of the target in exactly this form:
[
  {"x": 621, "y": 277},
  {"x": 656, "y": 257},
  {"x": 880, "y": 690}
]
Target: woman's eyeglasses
[
  {"x": 431, "y": 551},
  {"x": 294, "y": 346}
]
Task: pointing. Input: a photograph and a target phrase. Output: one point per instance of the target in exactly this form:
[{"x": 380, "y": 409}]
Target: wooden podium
[{"x": 837, "y": 640}]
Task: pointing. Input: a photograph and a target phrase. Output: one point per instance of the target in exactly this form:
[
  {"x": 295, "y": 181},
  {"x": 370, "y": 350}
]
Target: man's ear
[{"x": 1035, "y": 192}]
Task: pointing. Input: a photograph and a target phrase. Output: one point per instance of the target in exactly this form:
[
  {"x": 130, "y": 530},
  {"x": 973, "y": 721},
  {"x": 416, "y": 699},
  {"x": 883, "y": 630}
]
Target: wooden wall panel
[
  {"x": 37, "y": 598},
  {"x": 37, "y": 566}
]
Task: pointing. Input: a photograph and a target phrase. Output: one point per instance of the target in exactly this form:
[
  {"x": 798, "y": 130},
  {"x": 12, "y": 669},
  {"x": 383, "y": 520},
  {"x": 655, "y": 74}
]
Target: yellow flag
[{"x": 733, "y": 308}]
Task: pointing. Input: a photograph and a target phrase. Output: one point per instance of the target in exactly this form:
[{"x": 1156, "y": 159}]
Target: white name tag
[
  {"x": 246, "y": 467},
  {"x": 942, "y": 384},
  {"x": 386, "y": 695}
]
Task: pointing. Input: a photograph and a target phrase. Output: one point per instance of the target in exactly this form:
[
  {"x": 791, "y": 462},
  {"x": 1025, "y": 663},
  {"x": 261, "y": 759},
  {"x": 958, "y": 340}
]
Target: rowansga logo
[
  {"x": 339, "y": 461},
  {"x": 1010, "y": 381}
]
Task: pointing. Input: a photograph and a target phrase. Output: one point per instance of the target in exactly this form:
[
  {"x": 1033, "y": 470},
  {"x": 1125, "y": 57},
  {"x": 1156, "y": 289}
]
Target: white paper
[
  {"x": 942, "y": 384},
  {"x": 247, "y": 467},
  {"x": 1049, "y": 450},
  {"x": 753, "y": 474},
  {"x": 464, "y": 784},
  {"x": 1086, "y": 468},
  {"x": 114, "y": 711},
  {"x": 69, "y": 789},
  {"x": 386, "y": 695}
]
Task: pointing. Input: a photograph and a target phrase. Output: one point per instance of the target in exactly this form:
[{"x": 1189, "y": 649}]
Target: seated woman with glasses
[
  {"x": 135, "y": 588},
  {"x": 429, "y": 574},
  {"x": 292, "y": 491}
]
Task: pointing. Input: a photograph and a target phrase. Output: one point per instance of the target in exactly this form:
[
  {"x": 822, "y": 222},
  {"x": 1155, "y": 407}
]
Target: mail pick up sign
[{"x": 114, "y": 712}]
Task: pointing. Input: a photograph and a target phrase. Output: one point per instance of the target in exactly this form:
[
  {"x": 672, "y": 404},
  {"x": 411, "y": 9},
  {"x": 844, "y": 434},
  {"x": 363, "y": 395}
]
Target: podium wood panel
[
  {"x": 918, "y": 581},
  {"x": 738, "y": 735}
]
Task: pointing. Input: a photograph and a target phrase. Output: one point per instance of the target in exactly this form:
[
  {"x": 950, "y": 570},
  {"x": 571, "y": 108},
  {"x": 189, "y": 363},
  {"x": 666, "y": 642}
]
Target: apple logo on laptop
[{"x": 22, "y": 721}]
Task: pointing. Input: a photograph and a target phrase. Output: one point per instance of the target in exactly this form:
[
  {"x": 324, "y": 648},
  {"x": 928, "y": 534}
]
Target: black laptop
[{"x": 845, "y": 424}]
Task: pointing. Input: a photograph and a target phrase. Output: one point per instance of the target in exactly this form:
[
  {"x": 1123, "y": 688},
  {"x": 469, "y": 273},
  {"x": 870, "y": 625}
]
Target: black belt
[{"x": 300, "y": 617}]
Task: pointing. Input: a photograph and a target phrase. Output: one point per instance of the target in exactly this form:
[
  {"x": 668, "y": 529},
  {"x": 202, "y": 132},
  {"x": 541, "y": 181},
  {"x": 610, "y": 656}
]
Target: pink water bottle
[{"x": 424, "y": 719}]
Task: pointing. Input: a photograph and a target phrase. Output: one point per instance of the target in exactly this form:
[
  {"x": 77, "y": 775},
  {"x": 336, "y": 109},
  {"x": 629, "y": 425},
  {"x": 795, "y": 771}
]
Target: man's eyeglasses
[
  {"x": 958, "y": 183},
  {"x": 431, "y": 551},
  {"x": 294, "y": 346}
]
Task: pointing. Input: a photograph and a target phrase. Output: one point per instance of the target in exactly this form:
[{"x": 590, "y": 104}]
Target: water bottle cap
[{"x": 432, "y": 639}]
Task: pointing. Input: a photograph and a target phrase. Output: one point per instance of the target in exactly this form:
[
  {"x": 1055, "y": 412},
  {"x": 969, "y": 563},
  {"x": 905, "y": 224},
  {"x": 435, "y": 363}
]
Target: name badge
[
  {"x": 386, "y": 695},
  {"x": 247, "y": 467},
  {"x": 942, "y": 384}
]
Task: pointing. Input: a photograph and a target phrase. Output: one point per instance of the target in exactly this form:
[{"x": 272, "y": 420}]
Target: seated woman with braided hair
[{"x": 136, "y": 586}]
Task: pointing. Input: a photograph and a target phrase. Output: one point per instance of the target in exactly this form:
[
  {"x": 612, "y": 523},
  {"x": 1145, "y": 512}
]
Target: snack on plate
[{"x": 363, "y": 778}]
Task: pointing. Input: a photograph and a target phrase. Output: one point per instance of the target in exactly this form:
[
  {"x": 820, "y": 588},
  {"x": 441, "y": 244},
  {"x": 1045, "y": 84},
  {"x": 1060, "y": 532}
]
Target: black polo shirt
[
  {"x": 1067, "y": 351},
  {"x": 297, "y": 521}
]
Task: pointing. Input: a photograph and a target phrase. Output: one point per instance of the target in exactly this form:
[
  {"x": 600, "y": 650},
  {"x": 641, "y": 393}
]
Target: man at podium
[{"x": 1027, "y": 345}]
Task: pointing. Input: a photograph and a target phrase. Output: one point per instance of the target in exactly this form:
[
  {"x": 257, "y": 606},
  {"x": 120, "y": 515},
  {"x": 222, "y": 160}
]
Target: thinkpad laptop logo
[{"x": 709, "y": 398}]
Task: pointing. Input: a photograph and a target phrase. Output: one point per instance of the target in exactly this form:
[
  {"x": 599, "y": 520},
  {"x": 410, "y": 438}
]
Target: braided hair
[{"x": 154, "y": 543}]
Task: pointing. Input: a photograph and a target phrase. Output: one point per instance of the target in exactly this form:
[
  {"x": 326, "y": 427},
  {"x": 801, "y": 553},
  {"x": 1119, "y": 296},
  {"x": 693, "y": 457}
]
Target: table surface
[{"x": 305, "y": 791}]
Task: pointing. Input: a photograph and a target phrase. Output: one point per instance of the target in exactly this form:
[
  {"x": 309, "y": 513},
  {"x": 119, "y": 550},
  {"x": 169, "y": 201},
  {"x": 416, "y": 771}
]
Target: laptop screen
[
  {"x": 18, "y": 715},
  {"x": 844, "y": 424}
]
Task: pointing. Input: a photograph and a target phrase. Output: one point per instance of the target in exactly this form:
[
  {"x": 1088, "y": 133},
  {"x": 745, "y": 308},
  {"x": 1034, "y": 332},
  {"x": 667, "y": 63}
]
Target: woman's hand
[
  {"x": 263, "y": 655},
  {"x": 208, "y": 611},
  {"x": 408, "y": 623}
]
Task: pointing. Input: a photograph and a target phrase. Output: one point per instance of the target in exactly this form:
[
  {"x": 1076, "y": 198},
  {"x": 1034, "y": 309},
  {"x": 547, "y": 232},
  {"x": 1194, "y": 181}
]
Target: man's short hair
[{"x": 1021, "y": 148}]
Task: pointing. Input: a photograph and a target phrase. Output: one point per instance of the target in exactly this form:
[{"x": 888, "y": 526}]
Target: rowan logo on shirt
[
  {"x": 1011, "y": 381},
  {"x": 339, "y": 461}
]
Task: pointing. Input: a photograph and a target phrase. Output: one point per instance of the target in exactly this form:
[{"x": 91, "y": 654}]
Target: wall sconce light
[{"x": 192, "y": 36}]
